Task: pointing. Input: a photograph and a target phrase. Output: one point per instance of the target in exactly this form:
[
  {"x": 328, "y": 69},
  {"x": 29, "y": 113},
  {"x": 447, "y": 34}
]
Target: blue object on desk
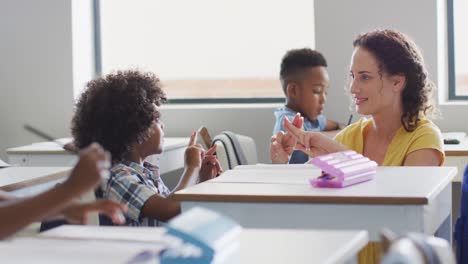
[
  {"x": 206, "y": 236},
  {"x": 461, "y": 226}
]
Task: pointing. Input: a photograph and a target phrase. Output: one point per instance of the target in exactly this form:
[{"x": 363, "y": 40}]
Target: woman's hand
[
  {"x": 282, "y": 144},
  {"x": 312, "y": 143}
]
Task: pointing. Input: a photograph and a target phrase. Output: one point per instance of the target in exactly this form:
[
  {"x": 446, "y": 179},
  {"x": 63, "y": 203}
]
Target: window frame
[
  {"x": 98, "y": 72},
  {"x": 452, "y": 82}
]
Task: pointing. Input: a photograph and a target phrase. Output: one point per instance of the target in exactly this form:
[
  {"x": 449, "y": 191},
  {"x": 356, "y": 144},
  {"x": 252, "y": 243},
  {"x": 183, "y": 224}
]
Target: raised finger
[
  {"x": 297, "y": 120},
  {"x": 193, "y": 138},
  {"x": 279, "y": 136},
  {"x": 296, "y": 132},
  {"x": 212, "y": 150},
  {"x": 273, "y": 138}
]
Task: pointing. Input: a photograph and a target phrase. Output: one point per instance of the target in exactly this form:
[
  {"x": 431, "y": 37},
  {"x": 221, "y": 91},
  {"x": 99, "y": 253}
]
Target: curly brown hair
[
  {"x": 117, "y": 111},
  {"x": 396, "y": 53}
]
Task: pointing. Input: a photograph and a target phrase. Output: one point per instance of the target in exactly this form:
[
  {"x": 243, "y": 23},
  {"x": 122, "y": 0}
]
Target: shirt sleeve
[
  {"x": 127, "y": 189},
  {"x": 428, "y": 137},
  {"x": 352, "y": 135},
  {"x": 341, "y": 136}
]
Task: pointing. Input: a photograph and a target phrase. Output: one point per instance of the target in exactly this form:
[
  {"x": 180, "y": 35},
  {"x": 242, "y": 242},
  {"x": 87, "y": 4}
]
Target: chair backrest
[
  {"x": 461, "y": 225},
  {"x": 234, "y": 149},
  {"x": 414, "y": 248}
]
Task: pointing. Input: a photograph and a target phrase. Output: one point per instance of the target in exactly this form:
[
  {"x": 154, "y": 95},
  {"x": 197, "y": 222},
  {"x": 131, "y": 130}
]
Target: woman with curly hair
[
  {"x": 120, "y": 111},
  {"x": 389, "y": 82}
]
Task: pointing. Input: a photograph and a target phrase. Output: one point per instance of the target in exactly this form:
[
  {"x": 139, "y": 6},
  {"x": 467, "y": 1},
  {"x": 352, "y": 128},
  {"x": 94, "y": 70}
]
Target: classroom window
[
  {"x": 205, "y": 50},
  {"x": 458, "y": 49}
]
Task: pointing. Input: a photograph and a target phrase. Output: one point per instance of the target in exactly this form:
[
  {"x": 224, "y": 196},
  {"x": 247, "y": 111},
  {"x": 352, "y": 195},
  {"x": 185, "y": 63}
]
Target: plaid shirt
[{"x": 133, "y": 184}]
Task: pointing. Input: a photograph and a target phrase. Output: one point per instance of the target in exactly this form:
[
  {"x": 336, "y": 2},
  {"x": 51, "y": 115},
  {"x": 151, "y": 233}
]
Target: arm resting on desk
[{"x": 16, "y": 213}]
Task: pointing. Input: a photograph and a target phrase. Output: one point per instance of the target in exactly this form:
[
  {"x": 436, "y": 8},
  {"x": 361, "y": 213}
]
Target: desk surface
[
  {"x": 256, "y": 246},
  {"x": 14, "y": 178},
  {"x": 50, "y": 147},
  {"x": 456, "y": 149},
  {"x": 391, "y": 185}
]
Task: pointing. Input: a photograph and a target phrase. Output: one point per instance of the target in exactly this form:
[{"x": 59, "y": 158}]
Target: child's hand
[
  {"x": 210, "y": 167},
  {"x": 78, "y": 213},
  {"x": 282, "y": 144},
  {"x": 194, "y": 153},
  {"x": 94, "y": 164}
]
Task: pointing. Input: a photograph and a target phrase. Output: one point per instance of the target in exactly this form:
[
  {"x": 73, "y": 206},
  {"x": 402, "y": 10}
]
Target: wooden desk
[
  {"x": 52, "y": 154},
  {"x": 403, "y": 199},
  {"x": 26, "y": 181},
  {"x": 457, "y": 155},
  {"x": 256, "y": 246}
]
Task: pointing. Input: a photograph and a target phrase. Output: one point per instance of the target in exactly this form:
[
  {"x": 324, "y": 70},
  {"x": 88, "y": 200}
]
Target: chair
[
  {"x": 415, "y": 248},
  {"x": 461, "y": 225},
  {"x": 232, "y": 149}
]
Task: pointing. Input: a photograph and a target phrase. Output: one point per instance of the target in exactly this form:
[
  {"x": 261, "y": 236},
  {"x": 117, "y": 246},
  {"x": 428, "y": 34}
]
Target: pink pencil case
[{"x": 342, "y": 169}]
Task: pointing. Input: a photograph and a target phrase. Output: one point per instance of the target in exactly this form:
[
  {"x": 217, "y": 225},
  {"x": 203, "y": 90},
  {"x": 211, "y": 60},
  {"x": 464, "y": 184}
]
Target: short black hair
[
  {"x": 295, "y": 61},
  {"x": 117, "y": 110}
]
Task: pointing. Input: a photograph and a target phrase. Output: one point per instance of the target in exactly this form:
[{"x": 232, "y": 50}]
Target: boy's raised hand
[
  {"x": 93, "y": 165},
  {"x": 210, "y": 167},
  {"x": 194, "y": 153}
]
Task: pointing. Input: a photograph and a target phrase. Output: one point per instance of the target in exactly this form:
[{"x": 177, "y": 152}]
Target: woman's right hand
[
  {"x": 312, "y": 143},
  {"x": 282, "y": 144}
]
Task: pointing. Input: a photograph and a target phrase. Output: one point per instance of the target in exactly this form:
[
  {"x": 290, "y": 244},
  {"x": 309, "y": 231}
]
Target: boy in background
[
  {"x": 304, "y": 79},
  {"x": 121, "y": 112}
]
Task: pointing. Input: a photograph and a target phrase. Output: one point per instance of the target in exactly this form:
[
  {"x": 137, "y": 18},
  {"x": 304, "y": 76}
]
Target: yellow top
[{"x": 425, "y": 136}]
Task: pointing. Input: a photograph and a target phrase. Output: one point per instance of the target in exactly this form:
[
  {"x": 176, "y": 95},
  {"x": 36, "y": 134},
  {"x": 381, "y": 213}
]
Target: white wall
[
  {"x": 338, "y": 22},
  {"x": 37, "y": 67},
  {"x": 46, "y": 59},
  {"x": 255, "y": 120},
  {"x": 36, "y": 83}
]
